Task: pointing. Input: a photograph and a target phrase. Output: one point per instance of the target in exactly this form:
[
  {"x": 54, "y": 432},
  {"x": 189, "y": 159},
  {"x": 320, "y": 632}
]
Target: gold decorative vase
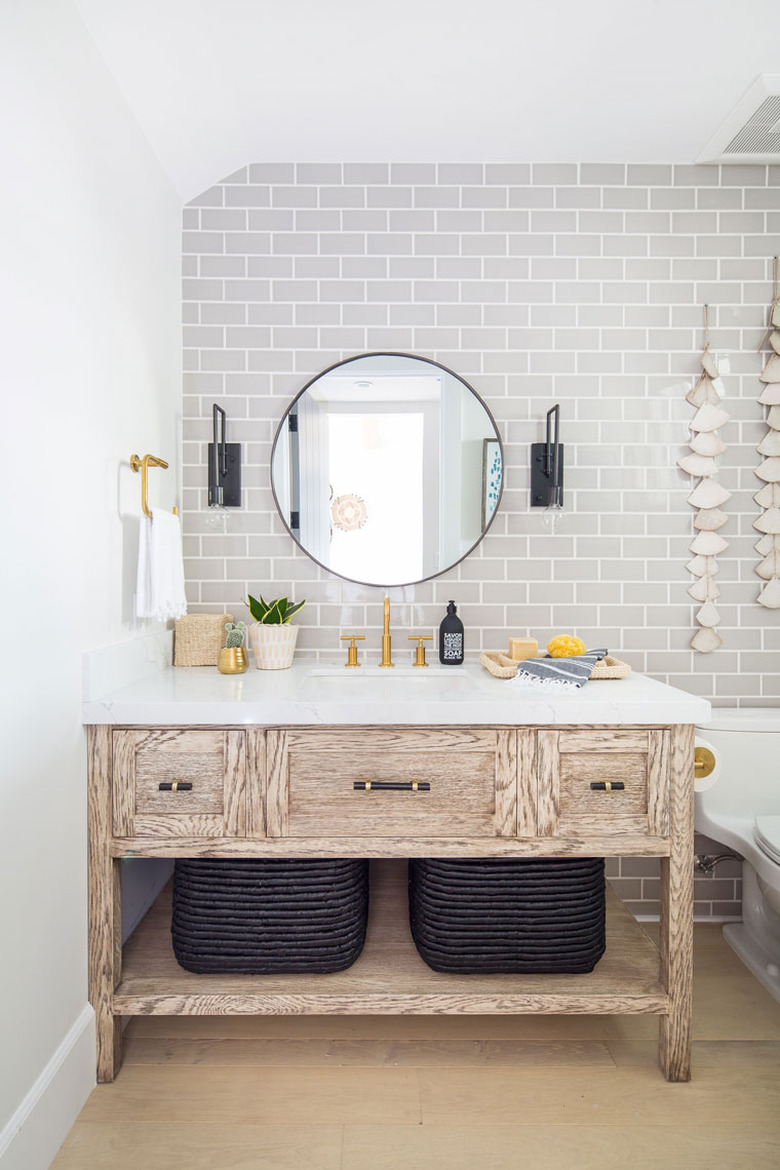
[{"x": 233, "y": 660}]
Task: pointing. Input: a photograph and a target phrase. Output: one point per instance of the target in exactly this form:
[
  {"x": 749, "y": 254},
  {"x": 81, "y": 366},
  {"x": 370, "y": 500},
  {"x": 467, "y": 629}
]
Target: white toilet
[{"x": 739, "y": 805}]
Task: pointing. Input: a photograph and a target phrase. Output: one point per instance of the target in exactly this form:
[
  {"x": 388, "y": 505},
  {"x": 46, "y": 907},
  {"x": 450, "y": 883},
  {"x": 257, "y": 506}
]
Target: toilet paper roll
[{"x": 702, "y": 783}]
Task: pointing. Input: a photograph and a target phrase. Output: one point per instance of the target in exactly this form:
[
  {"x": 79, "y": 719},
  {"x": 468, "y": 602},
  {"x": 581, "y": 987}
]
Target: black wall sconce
[
  {"x": 224, "y": 466},
  {"x": 547, "y": 465}
]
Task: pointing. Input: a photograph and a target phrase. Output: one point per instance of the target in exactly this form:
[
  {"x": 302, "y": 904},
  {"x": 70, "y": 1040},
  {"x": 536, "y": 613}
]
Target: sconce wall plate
[
  {"x": 547, "y": 466},
  {"x": 224, "y": 463}
]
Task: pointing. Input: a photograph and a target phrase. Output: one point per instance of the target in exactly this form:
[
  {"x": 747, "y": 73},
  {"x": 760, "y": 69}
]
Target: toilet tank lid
[{"x": 743, "y": 719}]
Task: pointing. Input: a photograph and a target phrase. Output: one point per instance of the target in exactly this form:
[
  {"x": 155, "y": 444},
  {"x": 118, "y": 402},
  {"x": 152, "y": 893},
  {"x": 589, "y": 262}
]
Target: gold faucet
[{"x": 386, "y": 659}]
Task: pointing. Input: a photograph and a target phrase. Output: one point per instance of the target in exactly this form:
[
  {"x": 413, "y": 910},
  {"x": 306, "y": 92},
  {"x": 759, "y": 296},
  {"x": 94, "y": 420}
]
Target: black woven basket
[
  {"x": 263, "y": 917},
  {"x": 508, "y": 916}
]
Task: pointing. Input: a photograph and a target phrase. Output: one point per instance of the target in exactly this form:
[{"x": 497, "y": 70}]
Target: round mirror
[{"x": 387, "y": 469}]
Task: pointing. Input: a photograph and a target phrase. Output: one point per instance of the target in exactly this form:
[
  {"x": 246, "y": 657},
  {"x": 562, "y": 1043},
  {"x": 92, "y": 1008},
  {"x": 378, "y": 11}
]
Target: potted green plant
[
  {"x": 233, "y": 657},
  {"x": 272, "y": 638}
]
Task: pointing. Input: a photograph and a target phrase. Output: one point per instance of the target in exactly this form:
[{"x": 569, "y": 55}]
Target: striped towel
[{"x": 558, "y": 674}]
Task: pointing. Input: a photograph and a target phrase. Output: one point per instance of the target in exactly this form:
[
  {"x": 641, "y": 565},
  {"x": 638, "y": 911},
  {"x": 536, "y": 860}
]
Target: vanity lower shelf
[{"x": 389, "y": 977}]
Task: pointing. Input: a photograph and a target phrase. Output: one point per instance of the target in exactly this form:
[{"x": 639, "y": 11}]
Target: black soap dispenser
[{"x": 451, "y": 638}]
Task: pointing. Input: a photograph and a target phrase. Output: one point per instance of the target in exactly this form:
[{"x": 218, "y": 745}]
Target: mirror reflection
[{"x": 387, "y": 469}]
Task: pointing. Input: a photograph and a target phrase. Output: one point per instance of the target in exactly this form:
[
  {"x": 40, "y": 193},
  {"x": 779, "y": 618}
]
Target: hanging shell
[
  {"x": 705, "y": 589},
  {"x": 698, "y": 465},
  {"x": 708, "y": 364},
  {"x": 709, "y": 519},
  {"x": 765, "y": 544},
  {"x": 700, "y": 566},
  {"x": 769, "y": 470},
  {"x": 708, "y": 544},
  {"x": 770, "y": 566},
  {"x": 768, "y": 495},
  {"x": 770, "y": 444},
  {"x": 718, "y": 387},
  {"x": 709, "y": 418},
  {"x": 708, "y": 443},
  {"x": 706, "y": 640},
  {"x": 702, "y": 392},
  {"x": 709, "y": 494},
  {"x": 769, "y": 396},
  {"x": 770, "y": 594},
  {"x": 768, "y": 521},
  {"x": 773, "y": 418},
  {"x": 771, "y": 371},
  {"x": 774, "y": 341},
  {"x": 708, "y": 615}
]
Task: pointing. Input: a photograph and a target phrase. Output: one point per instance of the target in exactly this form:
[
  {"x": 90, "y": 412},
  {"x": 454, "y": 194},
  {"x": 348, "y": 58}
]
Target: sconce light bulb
[
  {"x": 553, "y": 518},
  {"x": 217, "y": 518}
]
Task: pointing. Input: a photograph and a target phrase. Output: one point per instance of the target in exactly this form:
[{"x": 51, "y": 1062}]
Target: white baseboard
[{"x": 41, "y": 1123}]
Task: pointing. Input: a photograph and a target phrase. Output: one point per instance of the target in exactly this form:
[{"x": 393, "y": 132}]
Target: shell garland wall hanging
[
  {"x": 706, "y": 444},
  {"x": 768, "y": 497}
]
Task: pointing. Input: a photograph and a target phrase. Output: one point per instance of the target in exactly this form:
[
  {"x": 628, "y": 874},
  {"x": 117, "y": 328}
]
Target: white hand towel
[{"x": 160, "y": 586}]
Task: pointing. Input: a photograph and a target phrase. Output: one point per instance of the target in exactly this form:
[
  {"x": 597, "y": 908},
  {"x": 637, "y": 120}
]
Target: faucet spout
[{"x": 386, "y": 641}]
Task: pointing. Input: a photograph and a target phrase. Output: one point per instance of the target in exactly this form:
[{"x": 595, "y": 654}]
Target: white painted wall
[{"x": 90, "y": 371}]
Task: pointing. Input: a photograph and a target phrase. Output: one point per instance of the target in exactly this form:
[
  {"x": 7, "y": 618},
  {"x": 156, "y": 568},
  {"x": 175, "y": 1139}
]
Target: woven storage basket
[
  {"x": 199, "y": 638},
  {"x": 269, "y": 917},
  {"x": 537, "y": 915}
]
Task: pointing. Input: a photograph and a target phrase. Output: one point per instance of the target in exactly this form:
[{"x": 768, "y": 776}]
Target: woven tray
[{"x": 502, "y": 666}]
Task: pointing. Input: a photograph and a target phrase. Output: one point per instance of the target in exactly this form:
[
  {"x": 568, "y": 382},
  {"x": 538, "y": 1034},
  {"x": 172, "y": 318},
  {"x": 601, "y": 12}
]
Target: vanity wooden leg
[
  {"x": 676, "y": 942},
  {"x": 105, "y": 922}
]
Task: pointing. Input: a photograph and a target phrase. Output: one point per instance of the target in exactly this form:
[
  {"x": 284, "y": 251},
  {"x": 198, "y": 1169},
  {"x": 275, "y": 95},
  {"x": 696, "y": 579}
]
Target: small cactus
[{"x": 235, "y": 637}]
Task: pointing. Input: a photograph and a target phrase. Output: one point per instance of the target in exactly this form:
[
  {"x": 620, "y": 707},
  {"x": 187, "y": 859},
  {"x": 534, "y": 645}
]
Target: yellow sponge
[{"x": 565, "y": 646}]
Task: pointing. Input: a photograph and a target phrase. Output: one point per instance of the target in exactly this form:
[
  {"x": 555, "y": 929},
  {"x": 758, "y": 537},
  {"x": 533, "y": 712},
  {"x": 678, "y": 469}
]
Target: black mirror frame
[{"x": 329, "y": 370}]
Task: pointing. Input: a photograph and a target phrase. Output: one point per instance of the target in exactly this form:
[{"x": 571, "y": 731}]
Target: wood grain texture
[
  {"x": 122, "y": 779},
  {"x": 658, "y": 783},
  {"x": 526, "y": 782},
  {"x": 505, "y": 783},
  {"x": 599, "y": 739},
  {"x": 389, "y": 977},
  {"x": 277, "y": 795},
  {"x": 676, "y": 930},
  {"x": 105, "y": 953},
  {"x": 234, "y": 783},
  {"x": 594, "y": 844},
  {"x": 548, "y": 771},
  {"x": 255, "y": 782}
]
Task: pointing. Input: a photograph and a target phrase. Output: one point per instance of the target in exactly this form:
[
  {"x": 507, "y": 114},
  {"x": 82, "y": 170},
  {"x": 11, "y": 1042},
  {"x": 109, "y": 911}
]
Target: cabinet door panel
[
  {"x": 589, "y": 782},
  {"x": 330, "y": 784},
  {"x": 203, "y": 779}
]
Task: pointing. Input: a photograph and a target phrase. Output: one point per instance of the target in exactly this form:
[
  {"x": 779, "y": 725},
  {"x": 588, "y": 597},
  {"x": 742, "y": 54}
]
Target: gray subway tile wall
[{"x": 574, "y": 283}]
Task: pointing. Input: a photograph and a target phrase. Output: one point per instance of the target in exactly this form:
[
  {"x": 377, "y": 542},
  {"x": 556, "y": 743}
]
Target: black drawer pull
[
  {"x": 607, "y": 785},
  {"x": 391, "y": 786},
  {"x": 176, "y": 786}
]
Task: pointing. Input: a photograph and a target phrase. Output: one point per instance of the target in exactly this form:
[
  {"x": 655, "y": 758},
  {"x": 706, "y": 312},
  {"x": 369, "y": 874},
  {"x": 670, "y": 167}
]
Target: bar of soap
[{"x": 521, "y": 648}]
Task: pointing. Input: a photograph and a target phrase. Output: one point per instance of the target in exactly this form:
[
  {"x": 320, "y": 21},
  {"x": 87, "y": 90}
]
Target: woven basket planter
[
  {"x": 199, "y": 637},
  {"x": 273, "y": 647},
  {"x": 540, "y": 915},
  {"x": 269, "y": 917}
]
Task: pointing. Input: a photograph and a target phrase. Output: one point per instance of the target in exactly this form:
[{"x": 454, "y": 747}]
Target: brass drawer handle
[
  {"x": 607, "y": 785},
  {"x": 176, "y": 786},
  {"x": 391, "y": 786}
]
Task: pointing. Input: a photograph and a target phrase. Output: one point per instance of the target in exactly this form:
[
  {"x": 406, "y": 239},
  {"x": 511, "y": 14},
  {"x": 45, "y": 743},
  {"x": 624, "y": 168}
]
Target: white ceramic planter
[{"x": 273, "y": 647}]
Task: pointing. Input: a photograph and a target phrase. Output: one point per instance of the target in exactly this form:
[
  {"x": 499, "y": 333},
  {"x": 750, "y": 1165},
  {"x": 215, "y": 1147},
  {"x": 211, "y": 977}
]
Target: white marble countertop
[{"x": 317, "y": 692}]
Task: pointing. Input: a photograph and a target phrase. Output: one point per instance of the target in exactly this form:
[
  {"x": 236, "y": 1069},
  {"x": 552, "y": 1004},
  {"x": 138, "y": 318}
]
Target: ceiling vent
[{"x": 751, "y": 133}]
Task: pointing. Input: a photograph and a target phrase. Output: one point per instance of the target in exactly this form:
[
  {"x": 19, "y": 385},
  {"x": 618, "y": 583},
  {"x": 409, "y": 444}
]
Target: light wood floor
[{"x": 456, "y": 1093}]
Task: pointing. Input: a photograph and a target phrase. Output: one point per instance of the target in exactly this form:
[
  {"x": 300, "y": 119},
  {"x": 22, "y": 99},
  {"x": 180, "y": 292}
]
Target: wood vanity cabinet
[{"x": 392, "y": 792}]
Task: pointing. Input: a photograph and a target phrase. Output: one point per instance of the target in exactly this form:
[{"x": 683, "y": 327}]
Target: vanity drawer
[
  {"x": 179, "y": 782},
  {"x": 603, "y": 782},
  {"x": 332, "y": 783}
]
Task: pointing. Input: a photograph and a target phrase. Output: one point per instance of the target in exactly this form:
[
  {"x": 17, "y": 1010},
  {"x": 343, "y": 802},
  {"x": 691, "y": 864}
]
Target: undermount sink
[{"x": 378, "y": 682}]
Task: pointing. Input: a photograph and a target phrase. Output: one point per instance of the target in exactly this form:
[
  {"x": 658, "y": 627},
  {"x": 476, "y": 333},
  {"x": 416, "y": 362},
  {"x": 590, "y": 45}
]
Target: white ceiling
[{"x": 219, "y": 83}]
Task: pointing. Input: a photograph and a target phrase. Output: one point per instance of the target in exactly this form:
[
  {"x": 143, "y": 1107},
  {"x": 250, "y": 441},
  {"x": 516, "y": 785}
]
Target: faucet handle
[
  {"x": 420, "y": 639},
  {"x": 352, "y": 658}
]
